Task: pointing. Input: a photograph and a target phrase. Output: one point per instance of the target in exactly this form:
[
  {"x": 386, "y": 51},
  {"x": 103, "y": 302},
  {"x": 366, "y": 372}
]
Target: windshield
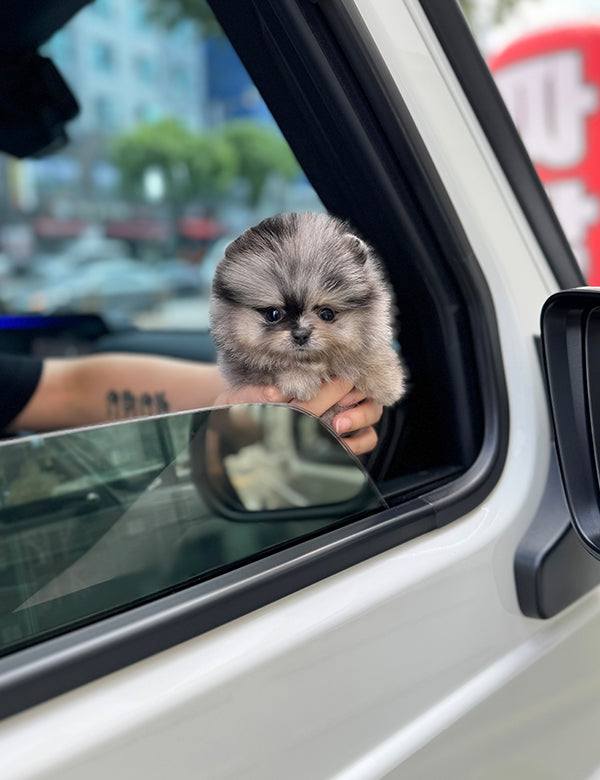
[{"x": 97, "y": 520}]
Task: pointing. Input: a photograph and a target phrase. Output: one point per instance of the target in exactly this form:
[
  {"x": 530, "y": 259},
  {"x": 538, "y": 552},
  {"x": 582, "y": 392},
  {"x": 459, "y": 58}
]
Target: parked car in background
[
  {"x": 227, "y": 593},
  {"x": 118, "y": 284}
]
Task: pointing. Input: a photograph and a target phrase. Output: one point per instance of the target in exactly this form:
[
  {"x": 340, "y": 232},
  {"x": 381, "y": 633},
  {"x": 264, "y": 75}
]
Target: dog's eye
[
  {"x": 273, "y": 314},
  {"x": 326, "y": 314}
]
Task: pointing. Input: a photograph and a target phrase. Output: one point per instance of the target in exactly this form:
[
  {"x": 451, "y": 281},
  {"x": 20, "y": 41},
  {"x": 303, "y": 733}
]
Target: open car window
[{"x": 97, "y": 520}]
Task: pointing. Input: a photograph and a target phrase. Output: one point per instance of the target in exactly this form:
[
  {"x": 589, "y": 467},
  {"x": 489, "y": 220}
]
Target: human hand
[{"x": 356, "y": 420}]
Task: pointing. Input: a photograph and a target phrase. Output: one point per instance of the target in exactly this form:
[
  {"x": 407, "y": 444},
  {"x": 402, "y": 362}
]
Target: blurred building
[{"x": 124, "y": 69}]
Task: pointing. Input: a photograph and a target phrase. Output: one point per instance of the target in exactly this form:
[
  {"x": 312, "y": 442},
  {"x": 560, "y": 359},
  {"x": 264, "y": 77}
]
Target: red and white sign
[{"x": 550, "y": 83}]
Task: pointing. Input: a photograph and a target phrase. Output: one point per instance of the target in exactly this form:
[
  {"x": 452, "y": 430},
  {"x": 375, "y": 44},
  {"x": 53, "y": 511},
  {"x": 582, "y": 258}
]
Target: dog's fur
[{"x": 273, "y": 295}]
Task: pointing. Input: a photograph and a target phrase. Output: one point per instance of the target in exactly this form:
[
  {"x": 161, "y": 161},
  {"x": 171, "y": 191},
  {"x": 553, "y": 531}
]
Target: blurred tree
[
  {"x": 261, "y": 152},
  {"x": 190, "y": 165},
  {"x": 201, "y": 166}
]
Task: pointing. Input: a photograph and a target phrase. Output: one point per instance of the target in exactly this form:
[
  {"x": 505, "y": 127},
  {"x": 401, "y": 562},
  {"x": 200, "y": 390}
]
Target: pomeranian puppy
[{"x": 299, "y": 299}]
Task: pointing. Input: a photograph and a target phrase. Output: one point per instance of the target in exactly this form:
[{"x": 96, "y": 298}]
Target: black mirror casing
[
  {"x": 553, "y": 565},
  {"x": 571, "y": 346}
]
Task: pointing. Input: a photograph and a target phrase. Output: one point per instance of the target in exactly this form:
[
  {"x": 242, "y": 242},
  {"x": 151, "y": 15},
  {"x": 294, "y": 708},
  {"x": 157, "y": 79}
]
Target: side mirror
[
  {"x": 256, "y": 462},
  {"x": 571, "y": 345}
]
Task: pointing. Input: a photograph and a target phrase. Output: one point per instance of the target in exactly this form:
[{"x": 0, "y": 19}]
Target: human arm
[
  {"x": 98, "y": 388},
  {"x": 91, "y": 389}
]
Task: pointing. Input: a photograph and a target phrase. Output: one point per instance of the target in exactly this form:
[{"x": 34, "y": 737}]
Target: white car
[{"x": 182, "y": 603}]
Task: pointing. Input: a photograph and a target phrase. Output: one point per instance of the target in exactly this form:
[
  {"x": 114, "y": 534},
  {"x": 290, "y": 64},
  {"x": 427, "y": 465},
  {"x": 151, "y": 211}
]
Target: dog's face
[{"x": 294, "y": 290}]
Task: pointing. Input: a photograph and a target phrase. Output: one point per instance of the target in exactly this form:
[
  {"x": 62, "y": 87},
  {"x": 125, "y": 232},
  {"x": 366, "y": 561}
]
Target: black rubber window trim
[{"x": 65, "y": 662}]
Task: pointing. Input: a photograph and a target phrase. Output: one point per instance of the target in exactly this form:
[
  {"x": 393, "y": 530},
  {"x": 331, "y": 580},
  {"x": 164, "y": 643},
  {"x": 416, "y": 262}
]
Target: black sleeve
[{"x": 19, "y": 376}]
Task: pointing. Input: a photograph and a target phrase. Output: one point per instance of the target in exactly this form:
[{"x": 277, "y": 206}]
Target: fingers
[
  {"x": 364, "y": 414},
  {"x": 329, "y": 395},
  {"x": 361, "y": 442},
  {"x": 356, "y": 423},
  {"x": 251, "y": 394},
  {"x": 352, "y": 398}
]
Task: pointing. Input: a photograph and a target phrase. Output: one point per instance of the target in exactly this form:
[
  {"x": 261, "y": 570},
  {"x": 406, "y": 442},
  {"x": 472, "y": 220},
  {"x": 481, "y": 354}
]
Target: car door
[{"x": 451, "y": 628}]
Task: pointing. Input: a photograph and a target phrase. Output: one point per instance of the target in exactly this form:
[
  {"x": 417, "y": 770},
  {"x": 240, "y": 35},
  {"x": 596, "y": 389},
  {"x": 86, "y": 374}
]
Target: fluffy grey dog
[{"x": 298, "y": 299}]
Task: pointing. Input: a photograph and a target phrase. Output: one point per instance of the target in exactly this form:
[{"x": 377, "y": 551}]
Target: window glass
[
  {"x": 146, "y": 69},
  {"x": 543, "y": 57},
  {"x": 105, "y": 110},
  {"x": 103, "y": 8},
  {"x": 125, "y": 205},
  {"x": 101, "y": 56},
  {"x": 100, "y": 519}
]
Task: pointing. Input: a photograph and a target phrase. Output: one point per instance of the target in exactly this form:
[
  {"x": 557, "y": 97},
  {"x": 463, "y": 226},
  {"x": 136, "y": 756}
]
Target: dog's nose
[{"x": 301, "y": 335}]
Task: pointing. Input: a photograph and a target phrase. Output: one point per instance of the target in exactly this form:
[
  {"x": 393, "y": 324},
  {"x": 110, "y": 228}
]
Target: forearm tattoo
[{"x": 123, "y": 403}]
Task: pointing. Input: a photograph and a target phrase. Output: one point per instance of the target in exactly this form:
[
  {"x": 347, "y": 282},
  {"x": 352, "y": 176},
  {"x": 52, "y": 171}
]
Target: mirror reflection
[{"x": 261, "y": 458}]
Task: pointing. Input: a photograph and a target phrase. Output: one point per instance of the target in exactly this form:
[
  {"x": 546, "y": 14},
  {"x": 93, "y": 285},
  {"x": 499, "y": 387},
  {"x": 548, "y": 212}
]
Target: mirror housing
[{"x": 571, "y": 347}]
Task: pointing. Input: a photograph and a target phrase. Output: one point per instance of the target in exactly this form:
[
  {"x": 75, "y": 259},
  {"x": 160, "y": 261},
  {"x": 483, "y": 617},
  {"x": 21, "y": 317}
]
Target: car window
[
  {"x": 96, "y": 520},
  {"x": 173, "y": 155}
]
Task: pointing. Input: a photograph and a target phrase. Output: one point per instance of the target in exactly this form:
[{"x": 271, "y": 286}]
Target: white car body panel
[{"x": 416, "y": 663}]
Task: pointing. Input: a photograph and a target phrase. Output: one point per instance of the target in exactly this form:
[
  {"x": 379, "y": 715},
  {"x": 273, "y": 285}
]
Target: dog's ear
[{"x": 358, "y": 247}]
